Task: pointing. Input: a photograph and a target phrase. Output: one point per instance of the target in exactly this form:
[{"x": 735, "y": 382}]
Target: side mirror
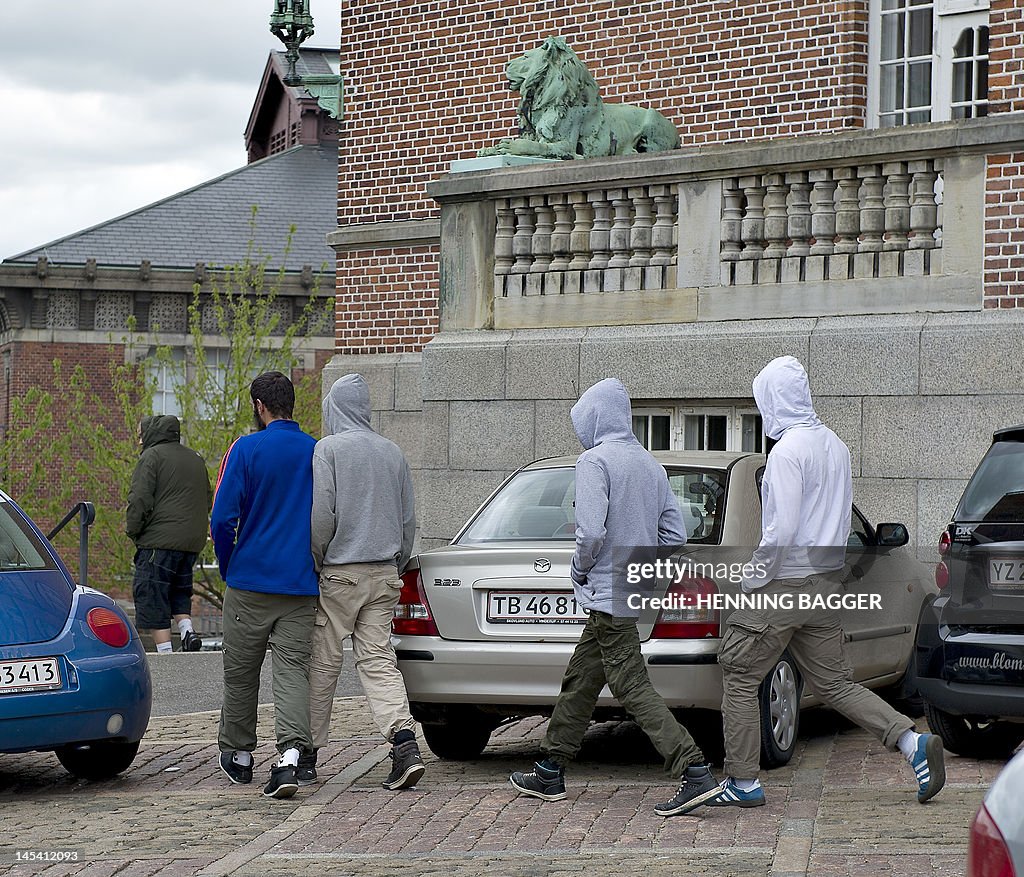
[{"x": 892, "y": 535}]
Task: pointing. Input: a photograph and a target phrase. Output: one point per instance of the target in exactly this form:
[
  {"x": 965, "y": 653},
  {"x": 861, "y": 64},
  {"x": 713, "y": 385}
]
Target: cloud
[{"x": 122, "y": 103}]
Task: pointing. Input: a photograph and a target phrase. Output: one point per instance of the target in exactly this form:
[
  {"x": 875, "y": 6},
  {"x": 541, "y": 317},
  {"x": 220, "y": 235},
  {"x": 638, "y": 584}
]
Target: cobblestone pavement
[{"x": 843, "y": 806}]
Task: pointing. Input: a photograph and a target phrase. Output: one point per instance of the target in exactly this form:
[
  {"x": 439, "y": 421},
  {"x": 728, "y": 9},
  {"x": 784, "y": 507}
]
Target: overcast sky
[{"x": 109, "y": 105}]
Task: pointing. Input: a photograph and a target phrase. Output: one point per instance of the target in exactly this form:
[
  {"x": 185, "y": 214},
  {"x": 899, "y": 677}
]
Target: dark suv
[{"x": 970, "y": 642}]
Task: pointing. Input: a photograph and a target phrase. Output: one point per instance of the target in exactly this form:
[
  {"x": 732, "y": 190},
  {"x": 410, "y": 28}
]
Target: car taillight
[
  {"x": 412, "y": 614},
  {"x": 109, "y": 627},
  {"x": 941, "y": 575},
  {"x": 945, "y": 541},
  {"x": 987, "y": 855},
  {"x": 688, "y": 617}
]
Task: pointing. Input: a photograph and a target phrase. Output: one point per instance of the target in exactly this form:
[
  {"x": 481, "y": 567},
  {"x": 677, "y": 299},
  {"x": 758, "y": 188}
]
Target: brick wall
[
  {"x": 1004, "y": 231},
  {"x": 1006, "y": 56},
  {"x": 424, "y": 84}
]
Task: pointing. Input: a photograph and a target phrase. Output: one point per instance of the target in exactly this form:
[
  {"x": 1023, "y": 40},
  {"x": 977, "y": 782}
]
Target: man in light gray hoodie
[
  {"x": 623, "y": 501},
  {"x": 363, "y": 524}
]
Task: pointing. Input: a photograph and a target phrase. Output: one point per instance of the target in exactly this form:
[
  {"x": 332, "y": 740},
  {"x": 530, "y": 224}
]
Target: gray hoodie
[
  {"x": 363, "y": 508},
  {"x": 623, "y": 498}
]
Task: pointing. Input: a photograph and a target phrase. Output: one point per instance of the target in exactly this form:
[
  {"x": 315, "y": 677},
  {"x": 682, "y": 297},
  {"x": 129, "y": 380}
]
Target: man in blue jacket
[
  {"x": 261, "y": 535},
  {"x": 623, "y": 501}
]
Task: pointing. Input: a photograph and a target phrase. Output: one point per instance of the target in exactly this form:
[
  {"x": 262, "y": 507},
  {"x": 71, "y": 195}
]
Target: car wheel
[
  {"x": 462, "y": 737},
  {"x": 974, "y": 737},
  {"x": 779, "y": 697},
  {"x": 97, "y": 761}
]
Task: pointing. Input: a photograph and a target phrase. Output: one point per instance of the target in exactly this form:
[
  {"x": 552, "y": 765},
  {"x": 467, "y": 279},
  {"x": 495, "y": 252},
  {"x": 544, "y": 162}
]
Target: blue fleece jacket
[
  {"x": 623, "y": 499},
  {"x": 260, "y": 518}
]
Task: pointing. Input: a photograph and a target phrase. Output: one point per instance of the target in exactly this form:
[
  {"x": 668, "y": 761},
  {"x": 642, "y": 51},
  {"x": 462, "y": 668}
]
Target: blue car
[{"x": 73, "y": 674}]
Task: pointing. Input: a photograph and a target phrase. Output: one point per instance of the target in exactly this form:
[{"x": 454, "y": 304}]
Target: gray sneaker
[
  {"x": 697, "y": 787},
  {"x": 407, "y": 766}
]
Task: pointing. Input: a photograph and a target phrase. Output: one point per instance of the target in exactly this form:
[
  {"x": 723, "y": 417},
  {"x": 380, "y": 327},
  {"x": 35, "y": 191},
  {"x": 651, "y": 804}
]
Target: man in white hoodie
[
  {"x": 806, "y": 499},
  {"x": 363, "y": 523}
]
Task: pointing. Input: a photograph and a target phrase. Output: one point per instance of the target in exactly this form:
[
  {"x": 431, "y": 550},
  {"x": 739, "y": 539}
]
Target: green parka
[{"x": 169, "y": 499}]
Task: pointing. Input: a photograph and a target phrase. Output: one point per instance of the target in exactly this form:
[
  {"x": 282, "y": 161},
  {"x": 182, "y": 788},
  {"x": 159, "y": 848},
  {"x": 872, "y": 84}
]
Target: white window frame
[{"x": 657, "y": 412}]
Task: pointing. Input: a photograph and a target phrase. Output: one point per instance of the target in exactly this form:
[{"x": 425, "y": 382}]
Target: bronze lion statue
[{"x": 561, "y": 114}]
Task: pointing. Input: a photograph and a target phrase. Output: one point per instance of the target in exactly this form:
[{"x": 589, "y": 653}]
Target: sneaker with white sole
[
  {"x": 542, "y": 782},
  {"x": 733, "y": 796},
  {"x": 282, "y": 784},
  {"x": 929, "y": 767},
  {"x": 406, "y": 766},
  {"x": 190, "y": 642},
  {"x": 239, "y": 774},
  {"x": 698, "y": 786}
]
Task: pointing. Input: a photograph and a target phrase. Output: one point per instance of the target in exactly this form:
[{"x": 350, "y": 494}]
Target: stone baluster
[
  {"x": 542, "y": 233},
  {"x": 823, "y": 212},
  {"x": 562, "y": 232},
  {"x": 896, "y": 196},
  {"x": 924, "y": 212},
  {"x": 600, "y": 233},
  {"x": 776, "y": 225},
  {"x": 663, "y": 232},
  {"x": 504, "y": 233},
  {"x": 643, "y": 224},
  {"x": 848, "y": 212},
  {"x": 579, "y": 239},
  {"x": 872, "y": 213},
  {"x": 732, "y": 220},
  {"x": 522, "y": 242},
  {"x": 752, "y": 226},
  {"x": 799, "y": 224},
  {"x": 621, "y": 222}
]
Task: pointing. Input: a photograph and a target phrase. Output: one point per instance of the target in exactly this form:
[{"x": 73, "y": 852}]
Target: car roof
[
  {"x": 1009, "y": 434},
  {"x": 706, "y": 459}
]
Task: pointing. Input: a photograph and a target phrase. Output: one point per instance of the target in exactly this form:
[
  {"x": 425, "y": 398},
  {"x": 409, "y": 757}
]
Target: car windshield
[
  {"x": 20, "y": 548},
  {"x": 538, "y": 505},
  {"x": 995, "y": 493}
]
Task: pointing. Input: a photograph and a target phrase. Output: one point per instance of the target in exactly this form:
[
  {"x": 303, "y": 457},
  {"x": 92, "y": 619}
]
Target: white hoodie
[{"x": 807, "y": 491}]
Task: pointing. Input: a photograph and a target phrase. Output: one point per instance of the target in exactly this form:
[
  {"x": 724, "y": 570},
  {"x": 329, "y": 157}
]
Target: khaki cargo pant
[
  {"x": 358, "y": 600},
  {"x": 609, "y": 651},
  {"x": 252, "y": 621},
  {"x": 753, "y": 643}
]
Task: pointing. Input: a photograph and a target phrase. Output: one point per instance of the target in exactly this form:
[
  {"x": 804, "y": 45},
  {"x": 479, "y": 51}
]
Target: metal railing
[{"x": 86, "y": 513}]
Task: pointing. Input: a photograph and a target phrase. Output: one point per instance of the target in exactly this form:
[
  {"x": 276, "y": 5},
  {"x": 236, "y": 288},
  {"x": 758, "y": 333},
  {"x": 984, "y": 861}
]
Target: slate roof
[
  {"x": 311, "y": 62},
  {"x": 211, "y": 222}
]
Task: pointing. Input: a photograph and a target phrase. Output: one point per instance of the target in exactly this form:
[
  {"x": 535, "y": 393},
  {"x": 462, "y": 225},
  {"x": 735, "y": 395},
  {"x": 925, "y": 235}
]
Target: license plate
[
  {"x": 1006, "y": 574},
  {"x": 534, "y": 607},
  {"x": 37, "y": 675}
]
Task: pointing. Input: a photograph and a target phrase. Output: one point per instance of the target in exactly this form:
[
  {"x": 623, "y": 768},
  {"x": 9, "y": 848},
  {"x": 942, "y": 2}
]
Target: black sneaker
[
  {"x": 190, "y": 642},
  {"x": 698, "y": 787},
  {"x": 237, "y": 773},
  {"x": 305, "y": 773},
  {"x": 283, "y": 783},
  {"x": 407, "y": 767},
  {"x": 542, "y": 782}
]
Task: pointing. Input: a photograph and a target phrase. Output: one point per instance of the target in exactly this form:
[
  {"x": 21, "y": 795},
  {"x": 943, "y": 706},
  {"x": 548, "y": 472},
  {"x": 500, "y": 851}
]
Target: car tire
[
  {"x": 462, "y": 737},
  {"x": 779, "y": 697},
  {"x": 102, "y": 760},
  {"x": 974, "y": 737}
]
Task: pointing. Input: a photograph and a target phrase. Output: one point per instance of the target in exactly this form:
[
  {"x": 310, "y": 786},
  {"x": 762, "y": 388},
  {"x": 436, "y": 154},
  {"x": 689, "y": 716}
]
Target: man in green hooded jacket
[{"x": 168, "y": 520}]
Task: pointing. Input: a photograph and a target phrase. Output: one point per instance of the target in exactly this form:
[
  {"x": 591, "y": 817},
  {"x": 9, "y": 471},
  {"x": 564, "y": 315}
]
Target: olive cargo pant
[
  {"x": 751, "y": 646},
  {"x": 252, "y": 620},
  {"x": 609, "y": 651},
  {"x": 358, "y": 600}
]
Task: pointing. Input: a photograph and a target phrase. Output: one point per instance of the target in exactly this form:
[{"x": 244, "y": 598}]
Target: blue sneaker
[
  {"x": 929, "y": 767},
  {"x": 733, "y": 796}
]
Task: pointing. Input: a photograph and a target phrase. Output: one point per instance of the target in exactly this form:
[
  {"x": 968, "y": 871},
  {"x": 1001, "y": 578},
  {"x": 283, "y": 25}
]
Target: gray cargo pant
[
  {"x": 358, "y": 600},
  {"x": 252, "y": 620},
  {"x": 750, "y": 648},
  {"x": 609, "y": 651}
]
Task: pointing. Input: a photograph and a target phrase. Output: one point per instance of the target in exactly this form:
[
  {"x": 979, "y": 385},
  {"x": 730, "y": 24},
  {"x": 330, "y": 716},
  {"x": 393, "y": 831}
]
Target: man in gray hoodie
[
  {"x": 363, "y": 524},
  {"x": 623, "y": 501}
]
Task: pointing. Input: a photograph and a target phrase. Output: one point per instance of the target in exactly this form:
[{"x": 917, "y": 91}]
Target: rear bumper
[
  {"x": 685, "y": 673},
  {"x": 965, "y": 699}
]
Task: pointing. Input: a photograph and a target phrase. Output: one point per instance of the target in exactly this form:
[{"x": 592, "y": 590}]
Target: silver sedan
[{"x": 485, "y": 626}]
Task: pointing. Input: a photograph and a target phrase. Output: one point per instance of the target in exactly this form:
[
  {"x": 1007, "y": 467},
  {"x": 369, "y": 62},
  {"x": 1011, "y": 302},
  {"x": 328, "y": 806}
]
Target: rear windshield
[
  {"x": 20, "y": 547},
  {"x": 539, "y": 505},
  {"x": 995, "y": 493}
]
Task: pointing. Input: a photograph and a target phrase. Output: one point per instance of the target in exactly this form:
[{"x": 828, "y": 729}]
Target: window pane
[
  {"x": 960, "y": 113},
  {"x": 920, "y": 91},
  {"x": 640, "y": 429},
  {"x": 892, "y": 37},
  {"x": 962, "y": 82},
  {"x": 982, "y": 86},
  {"x": 889, "y": 121},
  {"x": 964, "y": 45},
  {"x": 918, "y": 117},
  {"x": 893, "y": 4},
  {"x": 693, "y": 432},
  {"x": 660, "y": 433},
  {"x": 982, "y": 40},
  {"x": 920, "y": 32},
  {"x": 752, "y": 439},
  {"x": 718, "y": 431},
  {"x": 891, "y": 89}
]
